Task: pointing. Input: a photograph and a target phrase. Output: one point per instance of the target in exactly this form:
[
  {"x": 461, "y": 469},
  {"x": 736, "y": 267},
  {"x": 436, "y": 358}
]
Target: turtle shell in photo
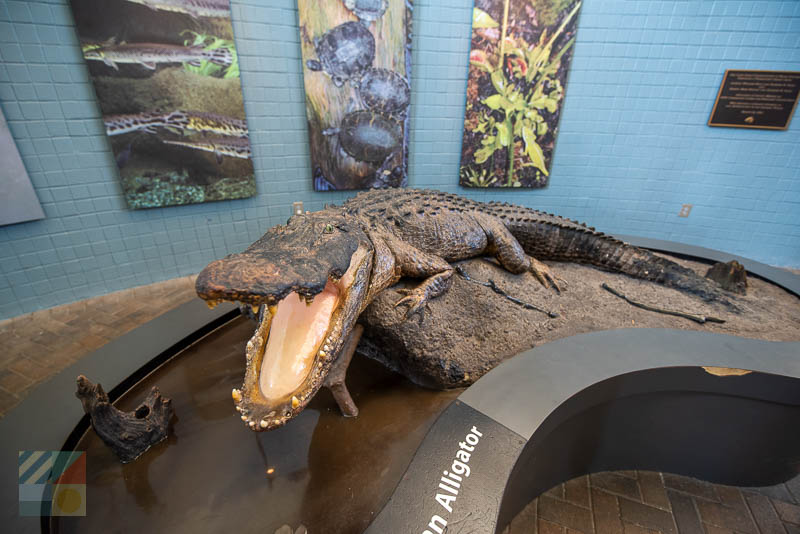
[
  {"x": 344, "y": 52},
  {"x": 384, "y": 90},
  {"x": 367, "y": 10},
  {"x": 370, "y": 136}
]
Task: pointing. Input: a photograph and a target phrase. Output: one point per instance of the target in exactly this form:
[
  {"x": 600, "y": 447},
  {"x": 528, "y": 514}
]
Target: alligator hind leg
[
  {"x": 335, "y": 379},
  {"x": 511, "y": 255},
  {"x": 543, "y": 273}
]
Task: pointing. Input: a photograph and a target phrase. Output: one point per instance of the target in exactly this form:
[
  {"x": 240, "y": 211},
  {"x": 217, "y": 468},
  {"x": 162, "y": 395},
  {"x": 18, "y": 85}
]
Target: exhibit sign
[
  {"x": 763, "y": 99},
  {"x": 455, "y": 478},
  {"x": 356, "y": 69},
  {"x": 166, "y": 74},
  {"x": 519, "y": 60},
  {"x": 18, "y": 200}
]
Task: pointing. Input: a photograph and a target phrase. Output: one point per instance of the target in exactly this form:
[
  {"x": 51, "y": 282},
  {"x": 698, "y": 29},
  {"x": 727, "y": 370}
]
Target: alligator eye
[{"x": 328, "y": 229}]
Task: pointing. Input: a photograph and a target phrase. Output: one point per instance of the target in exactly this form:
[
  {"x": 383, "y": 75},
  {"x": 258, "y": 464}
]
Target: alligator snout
[{"x": 258, "y": 280}]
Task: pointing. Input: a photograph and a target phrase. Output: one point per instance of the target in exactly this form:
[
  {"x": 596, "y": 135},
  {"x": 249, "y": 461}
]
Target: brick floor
[
  {"x": 644, "y": 502},
  {"x": 36, "y": 346}
]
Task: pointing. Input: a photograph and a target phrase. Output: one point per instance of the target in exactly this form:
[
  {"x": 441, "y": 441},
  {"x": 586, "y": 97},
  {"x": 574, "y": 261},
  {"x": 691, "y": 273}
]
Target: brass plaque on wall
[{"x": 756, "y": 99}]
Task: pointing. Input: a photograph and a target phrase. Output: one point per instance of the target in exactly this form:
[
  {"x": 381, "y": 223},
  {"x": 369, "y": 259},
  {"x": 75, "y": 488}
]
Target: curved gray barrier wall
[
  {"x": 733, "y": 430},
  {"x": 620, "y": 399}
]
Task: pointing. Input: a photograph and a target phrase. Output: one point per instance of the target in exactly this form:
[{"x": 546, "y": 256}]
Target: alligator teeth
[
  {"x": 263, "y": 423},
  {"x": 244, "y": 417},
  {"x": 322, "y": 354},
  {"x": 326, "y": 348},
  {"x": 236, "y": 395},
  {"x": 295, "y": 402},
  {"x": 212, "y": 303},
  {"x": 252, "y": 424},
  {"x": 254, "y": 308},
  {"x": 250, "y": 345}
]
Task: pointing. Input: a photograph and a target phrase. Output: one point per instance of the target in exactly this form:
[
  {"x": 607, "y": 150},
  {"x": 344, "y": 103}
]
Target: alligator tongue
[{"x": 296, "y": 332}]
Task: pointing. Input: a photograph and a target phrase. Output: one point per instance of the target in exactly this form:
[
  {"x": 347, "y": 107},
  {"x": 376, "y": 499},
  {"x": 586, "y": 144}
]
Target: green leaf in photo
[
  {"x": 499, "y": 81},
  {"x": 533, "y": 150},
  {"x": 494, "y": 101},
  {"x": 503, "y": 134},
  {"x": 482, "y": 20},
  {"x": 483, "y": 154}
]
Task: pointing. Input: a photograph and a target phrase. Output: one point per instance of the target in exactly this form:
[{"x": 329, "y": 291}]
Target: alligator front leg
[
  {"x": 510, "y": 254},
  {"x": 418, "y": 264},
  {"x": 417, "y": 298},
  {"x": 335, "y": 379}
]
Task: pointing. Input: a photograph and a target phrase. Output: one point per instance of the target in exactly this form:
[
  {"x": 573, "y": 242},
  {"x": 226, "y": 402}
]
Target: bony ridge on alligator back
[{"x": 311, "y": 278}]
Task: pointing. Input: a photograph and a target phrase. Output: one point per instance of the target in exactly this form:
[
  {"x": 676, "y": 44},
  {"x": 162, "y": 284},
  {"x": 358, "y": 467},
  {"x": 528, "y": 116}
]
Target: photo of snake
[{"x": 166, "y": 75}]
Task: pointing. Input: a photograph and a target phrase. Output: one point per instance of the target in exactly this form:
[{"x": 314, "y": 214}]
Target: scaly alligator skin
[{"x": 349, "y": 254}]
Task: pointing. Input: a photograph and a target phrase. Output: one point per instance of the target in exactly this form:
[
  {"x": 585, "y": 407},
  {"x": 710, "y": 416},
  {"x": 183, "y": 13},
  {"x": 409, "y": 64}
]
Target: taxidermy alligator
[{"x": 309, "y": 280}]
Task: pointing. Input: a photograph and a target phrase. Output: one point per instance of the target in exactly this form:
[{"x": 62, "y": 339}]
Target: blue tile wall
[{"x": 633, "y": 144}]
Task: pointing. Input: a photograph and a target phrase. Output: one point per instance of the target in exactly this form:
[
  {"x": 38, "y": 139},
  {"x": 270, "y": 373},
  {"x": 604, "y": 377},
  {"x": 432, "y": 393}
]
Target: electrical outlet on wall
[
  {"x": 297, "y": 208},
  {"x": 686, "y": 209}
]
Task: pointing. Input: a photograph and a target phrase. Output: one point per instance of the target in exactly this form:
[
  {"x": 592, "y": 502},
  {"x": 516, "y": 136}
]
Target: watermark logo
[{"x": 52, "y": 483}]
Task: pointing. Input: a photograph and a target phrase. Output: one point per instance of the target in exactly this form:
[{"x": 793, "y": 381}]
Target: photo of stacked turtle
[
  {"x": 357, "y": 63},
  {"x": 166, "y": 74}
]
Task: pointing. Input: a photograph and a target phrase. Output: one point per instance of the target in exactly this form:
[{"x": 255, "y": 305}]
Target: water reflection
[
  {"x": 136, "y": 475},
  {"x": 285, "y": 450},
  {"x": 324, "y": 471}
]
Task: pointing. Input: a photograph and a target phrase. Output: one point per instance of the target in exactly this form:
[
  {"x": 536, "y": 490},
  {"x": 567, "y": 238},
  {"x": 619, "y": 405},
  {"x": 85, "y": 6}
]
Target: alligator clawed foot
[
  {"x": 416, "y": 301},
  {"x": 544, "y": 275}
]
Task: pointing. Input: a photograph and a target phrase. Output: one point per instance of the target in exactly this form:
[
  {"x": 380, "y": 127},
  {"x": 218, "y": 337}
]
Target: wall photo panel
[
  {"x": 356, "y": 70},
  {"x": 519, "y": 60},
  {"x": 18, "y": 200},
  {"x": 166, "y": 74}
]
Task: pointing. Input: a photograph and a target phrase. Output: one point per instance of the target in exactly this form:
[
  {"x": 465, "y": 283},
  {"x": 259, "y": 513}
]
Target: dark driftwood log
[
  {"x": 129, "y": 434},
  {"x": 731, "y": 276}
]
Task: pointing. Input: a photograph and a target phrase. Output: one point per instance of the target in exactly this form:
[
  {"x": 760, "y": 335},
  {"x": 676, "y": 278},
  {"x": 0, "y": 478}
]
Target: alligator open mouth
[{"x": 294, "y": 345}]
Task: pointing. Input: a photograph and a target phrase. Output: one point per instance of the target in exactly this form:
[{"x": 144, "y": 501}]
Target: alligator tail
[
  {"x": 639, "y": 263},
  {"x": 550, "y": 237}
]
